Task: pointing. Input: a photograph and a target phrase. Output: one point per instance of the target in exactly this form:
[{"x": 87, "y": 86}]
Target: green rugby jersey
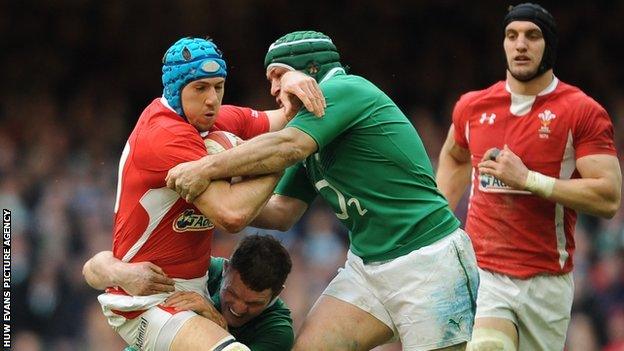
[
  {"x": 372, "y": 168},
  {"x": 272, "y": 330}
]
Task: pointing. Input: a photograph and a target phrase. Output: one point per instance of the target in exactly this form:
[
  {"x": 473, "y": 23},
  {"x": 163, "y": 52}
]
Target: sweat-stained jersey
[
  {"x": 513, "y": 232},
  {"x": 152, "y": 223},
  {"x": 372, "y": 169},
  {"x": 271, "y": 330}
]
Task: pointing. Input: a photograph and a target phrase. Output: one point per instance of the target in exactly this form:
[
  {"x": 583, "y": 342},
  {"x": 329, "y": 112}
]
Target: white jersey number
[{"x": 342, "y": 202}]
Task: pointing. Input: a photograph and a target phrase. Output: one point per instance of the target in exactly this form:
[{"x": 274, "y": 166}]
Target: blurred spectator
[
  {"x": 27, "y": 341},
  {"x": 322, "y": 248},
  {"x": 581, "y": 334},
  {"x": 615, "y": 330}
]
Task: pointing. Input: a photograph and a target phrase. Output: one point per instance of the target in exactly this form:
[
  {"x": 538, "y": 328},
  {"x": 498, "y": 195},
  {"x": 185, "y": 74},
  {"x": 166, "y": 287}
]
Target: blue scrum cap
[{"x": 187, "y": 60}]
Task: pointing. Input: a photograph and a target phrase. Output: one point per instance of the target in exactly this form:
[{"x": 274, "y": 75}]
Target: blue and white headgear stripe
[{"x": 187, "y": 60}]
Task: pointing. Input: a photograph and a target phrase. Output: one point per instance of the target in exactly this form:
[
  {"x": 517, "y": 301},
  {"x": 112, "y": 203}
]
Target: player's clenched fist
[
  {"x": 507, "y": 167},
  {"x": 185, "y": 179}
]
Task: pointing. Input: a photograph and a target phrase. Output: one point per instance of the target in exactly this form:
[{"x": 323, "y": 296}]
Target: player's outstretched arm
[
  {"x": 232, "y": 207},
  {"x": 453, "y": 175},
  {"x": 280, "y": 213},
  {"x": 264, "y": 154},
  {"x": 144, "y": 278}
]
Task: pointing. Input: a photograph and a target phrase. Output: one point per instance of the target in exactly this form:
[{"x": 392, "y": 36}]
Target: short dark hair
[{"x": 262, "y": 262}]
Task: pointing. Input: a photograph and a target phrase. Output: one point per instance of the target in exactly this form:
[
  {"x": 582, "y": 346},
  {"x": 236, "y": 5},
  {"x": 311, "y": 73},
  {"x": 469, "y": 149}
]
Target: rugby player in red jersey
[
  {"x": 535, "y": 150},
  {"x": 152, "y": 223}
]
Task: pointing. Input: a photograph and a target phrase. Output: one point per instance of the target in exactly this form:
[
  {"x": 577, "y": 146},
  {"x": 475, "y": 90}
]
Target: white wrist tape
[{"x": 539, "y": 184}]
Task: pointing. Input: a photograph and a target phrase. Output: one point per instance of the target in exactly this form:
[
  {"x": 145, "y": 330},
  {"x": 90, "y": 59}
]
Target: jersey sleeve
[
  {"x": 295, "y": 183},
  {"x": 242, "y": 121},
  {"x": 342, "y": 112},
  {"x": 215, "y": 275},
  {"x": 168, "y": 148},
  {"x": 460, "y": 119},
  {"x": 593, "y": 131}
]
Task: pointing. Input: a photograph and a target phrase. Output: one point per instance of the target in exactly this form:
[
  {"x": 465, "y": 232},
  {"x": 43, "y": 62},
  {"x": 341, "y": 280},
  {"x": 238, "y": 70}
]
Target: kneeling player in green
[
  {"x": 411, "y": 272},
  {"x": 244, "y": 290}
]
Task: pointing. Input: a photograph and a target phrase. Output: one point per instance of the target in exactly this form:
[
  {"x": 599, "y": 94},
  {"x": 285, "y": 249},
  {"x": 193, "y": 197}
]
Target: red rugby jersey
[
  {"x": 151, "y": 222},
  {"x": 513, "y": 232}
]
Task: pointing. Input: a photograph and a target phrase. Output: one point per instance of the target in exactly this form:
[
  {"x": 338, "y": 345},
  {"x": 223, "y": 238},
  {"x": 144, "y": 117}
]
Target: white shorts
[
  {"x": 142, "y": 321},
  {"x": 154, "y": 329},
  {"x": 427, "y": 297},
  {"x": 539, "y": 307}
]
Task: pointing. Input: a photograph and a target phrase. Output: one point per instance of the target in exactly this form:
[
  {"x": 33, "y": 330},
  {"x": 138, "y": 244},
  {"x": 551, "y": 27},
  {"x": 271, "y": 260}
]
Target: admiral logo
[
  {"x": 491, "y": 184},
  {"x": 189, "y": 221},
  {"x": 545, "y": 118},
  {"x": 490, "y": 119},
  {"x": 140, "y": 340}
]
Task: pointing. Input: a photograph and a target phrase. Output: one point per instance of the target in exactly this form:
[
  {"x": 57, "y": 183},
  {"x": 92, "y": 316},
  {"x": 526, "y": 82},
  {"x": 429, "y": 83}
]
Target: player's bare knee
[{"x": 486, "y": 339}]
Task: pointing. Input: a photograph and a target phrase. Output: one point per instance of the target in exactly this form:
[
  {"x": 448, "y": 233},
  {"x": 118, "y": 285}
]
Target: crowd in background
[{"x": 77, "y": 73}]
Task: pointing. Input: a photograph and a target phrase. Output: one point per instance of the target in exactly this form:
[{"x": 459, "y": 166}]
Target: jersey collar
[
  {"x": 549, "y": 89},
  {"x": 164, "y": 101},
  {"x": 332, "y": 72}
]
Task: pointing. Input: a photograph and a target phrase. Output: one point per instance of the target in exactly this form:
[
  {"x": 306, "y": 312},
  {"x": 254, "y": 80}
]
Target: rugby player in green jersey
[
  {"x": 411, "y": 272},
  {"x": 244, "y": 290}
]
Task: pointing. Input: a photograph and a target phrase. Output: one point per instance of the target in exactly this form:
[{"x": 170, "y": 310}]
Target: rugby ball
[{"x": 219, "y": 141}]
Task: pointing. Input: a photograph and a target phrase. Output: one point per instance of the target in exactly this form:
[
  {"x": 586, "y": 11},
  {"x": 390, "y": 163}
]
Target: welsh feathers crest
[
  {"x": 545, "y": 118},
  {"x": 490, "y": 119}
]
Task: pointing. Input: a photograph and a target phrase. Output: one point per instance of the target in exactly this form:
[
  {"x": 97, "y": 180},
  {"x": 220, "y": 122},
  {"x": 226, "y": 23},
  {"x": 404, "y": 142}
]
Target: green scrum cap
[{"x": 311, "y": 52}]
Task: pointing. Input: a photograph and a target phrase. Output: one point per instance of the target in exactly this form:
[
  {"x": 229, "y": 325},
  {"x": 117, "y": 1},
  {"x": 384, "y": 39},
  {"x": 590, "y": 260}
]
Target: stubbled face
[
  {"x": 524, "y": 48},
  {"x": 274, "y": 76},
  {"x": 240, "y": 304},
  {"x": 201, "y": 101}
]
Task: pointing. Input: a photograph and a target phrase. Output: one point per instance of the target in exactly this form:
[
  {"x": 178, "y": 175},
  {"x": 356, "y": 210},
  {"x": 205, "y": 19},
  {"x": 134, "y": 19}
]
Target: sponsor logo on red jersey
[{"x": 189, "y": 221}]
